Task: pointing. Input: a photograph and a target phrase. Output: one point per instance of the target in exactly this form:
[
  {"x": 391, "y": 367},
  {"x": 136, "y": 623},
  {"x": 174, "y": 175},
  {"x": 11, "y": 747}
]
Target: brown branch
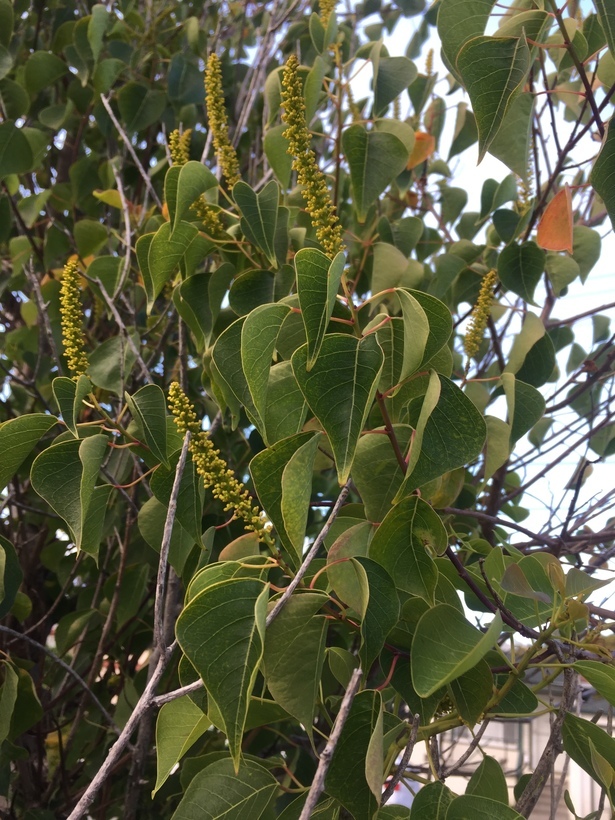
[{"x": 318, "y": 784}]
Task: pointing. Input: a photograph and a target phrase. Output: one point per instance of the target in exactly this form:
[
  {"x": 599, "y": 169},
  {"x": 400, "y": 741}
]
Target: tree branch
[{"x": 318, "y": 784}]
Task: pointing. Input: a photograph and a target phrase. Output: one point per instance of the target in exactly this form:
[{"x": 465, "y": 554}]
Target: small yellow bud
[
  {"x": 309, "y": 175},
  {"x": 216, "y": 113},
  {"x": 212, "y": 468},
  {"x": 480, "y": 315},
  {"x": 179, "y": 146},
  {"x": 327, "y": 7},
  {"x": 71, "y": 313}
]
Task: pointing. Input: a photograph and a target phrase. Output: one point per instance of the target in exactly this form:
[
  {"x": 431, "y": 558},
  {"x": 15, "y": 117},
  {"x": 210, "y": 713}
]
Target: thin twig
[
  {"x": 405, "y": 759},
  {"x": 318, "y": 784},
  {"x": 109, "y": 302},
  {"x": 68, "y": 669},
  {"x": 468, "y": 752},
  {"x": 131, "y": 150},
  {"x": 281, "y": 603},
  {"x": 533, "y": 790},
  {"x": 143, "y": 704},
  {"x": 160, "y": 700},
  {"x": 42, "y": 309},
  {"x": 128, "y": 233},
  {"x": 163, "y": 563}
]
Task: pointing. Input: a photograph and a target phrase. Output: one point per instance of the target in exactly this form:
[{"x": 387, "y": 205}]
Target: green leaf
[
  {"x": 586, "y": 249},
  {"x": 69, "y": 395},
  {"x": 180, "y": 723},
  {"x": 276, "y": 146},
  {"x": 376, "y": 471},
  {"x": 297, "y": 491},
  {"x": 221, "y": 631},
  {"x": 224, "y": 792},
  {"x": 318, "y": 281},
  {"x": 149, "y": 410},
  {"x": 90, "y": 236},
  {"x": 286, "y": 408},
  {"x": 493, "y": 72},
  {"x": 600, "y": 675},
  {"x": 472, "y": 691},
  {"x": 416, "y": 333},
  {"x": 107, "y": 369},
  {"x": 399, "y": 546},
  {"x": 582, "y": 737},
  {"x": 520, "y": 268},
  {"x": 8, "y": 698},
  {"x": 294, "y": 656},
  {"x": 12, "y": 576},
  {"x": 42, "y": 70},
  {"x": 18, "y": 438},
  {"x": 6, "y": 22},
  {"x": 97, "y": 26},
  {"x": 480, "y": 808},
  {"x": 460, "y": 21},
  {"x": 391, "y": 76},
  {"x": 347, "y": 778},
  {"x": 448, "y": 436},
  {"x": 65, "y": 476},
  {"x": 140, "y": 106},
  {"x": 259, "y": 335},
  {"x": 445, "y": 646},
  {"x": 259, "y": 215},
  {"x": 580, "y": 583},
  {"x": 381, "y": 613},
  {"x": 526, "y": 405},
  {"x": 166, "y": 250},
  {"x": 488, "y": 780},
  {"x": 15, "y": 151},
  {"x": 283, "y": 485},
  {"x": 192, "y": 181},
  {"x": 348, "y": 369},
  {"x": 606, "y": 15},
  {"x": 375, "y": 159},
  {"x": 602, "y": 175},
  {"x": 432, "y": 801},
  {"x": 519, "y": 700}
]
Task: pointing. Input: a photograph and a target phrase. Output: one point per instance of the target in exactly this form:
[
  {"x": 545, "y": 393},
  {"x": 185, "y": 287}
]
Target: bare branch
[
  {"x": 131, "y": 150},
  {"x": 312, "y": 552},
  {"x": 318, "y": 784},
  {"x": 68, "y": 669},
  {"x": 405, "y": 759}
]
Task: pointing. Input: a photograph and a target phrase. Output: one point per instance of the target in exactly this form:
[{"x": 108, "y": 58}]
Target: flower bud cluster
[
  {"x": 316, "y": 193},
  {"x": 327, "y": 7},
  {"x": 212, "y": 468},
  {"x": 71, "y": 313},
  {"x": 480, "y": 315},
  {"x": 216, "y": 113},
  {"x": 179, "y": 146}
]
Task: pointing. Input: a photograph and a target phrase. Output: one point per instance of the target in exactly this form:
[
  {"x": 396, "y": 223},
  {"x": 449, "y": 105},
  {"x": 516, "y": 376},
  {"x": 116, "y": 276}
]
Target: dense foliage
[{"x": 273, "y": 398}]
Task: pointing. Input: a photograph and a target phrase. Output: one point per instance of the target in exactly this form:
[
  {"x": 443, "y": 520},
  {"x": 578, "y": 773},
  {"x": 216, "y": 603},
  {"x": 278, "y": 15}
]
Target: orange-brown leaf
[
  {"x": 555, "y": 226},
  {"x": 424, "y": 146}
]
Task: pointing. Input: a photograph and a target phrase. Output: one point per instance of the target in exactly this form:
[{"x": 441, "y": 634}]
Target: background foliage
[{"x": 126, "y": 581}]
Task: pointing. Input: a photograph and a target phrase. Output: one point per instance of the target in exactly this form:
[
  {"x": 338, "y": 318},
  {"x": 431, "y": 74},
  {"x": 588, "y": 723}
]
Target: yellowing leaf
[{"x": 555, "y": 226}]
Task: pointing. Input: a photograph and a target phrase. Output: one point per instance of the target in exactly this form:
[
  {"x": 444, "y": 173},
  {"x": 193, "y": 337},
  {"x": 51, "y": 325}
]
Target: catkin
[
  {"x": 71, "y": 313},
  {"x": 480, "y": 315},
  {"x": 309, "y": 175}
]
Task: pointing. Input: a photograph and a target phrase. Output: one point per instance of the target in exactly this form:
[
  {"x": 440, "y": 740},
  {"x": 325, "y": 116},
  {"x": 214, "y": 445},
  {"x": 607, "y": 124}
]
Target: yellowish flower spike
[
  {"x": 179, "y": 146},
  {"x": 216, "y": 113},
  {"x": 309, "y": 175},
  {"x": 327, "y": 7},
  {"x": 71, "y": 313},
  {"x": 212, "y": 468},
  {"x": 480, "y": 315}
]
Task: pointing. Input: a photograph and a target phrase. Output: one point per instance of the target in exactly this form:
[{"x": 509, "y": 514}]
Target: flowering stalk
[
  {"x": 216, "y": 112},
  {"x": 480, "y": 316},
  {"x": 319, "y": 205},
  {"x": 71, "y": 313},
  {"x": 179, "y": 148},
  {"x": 327, "y": 7},
  {"x": 212, "y": 468}
]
